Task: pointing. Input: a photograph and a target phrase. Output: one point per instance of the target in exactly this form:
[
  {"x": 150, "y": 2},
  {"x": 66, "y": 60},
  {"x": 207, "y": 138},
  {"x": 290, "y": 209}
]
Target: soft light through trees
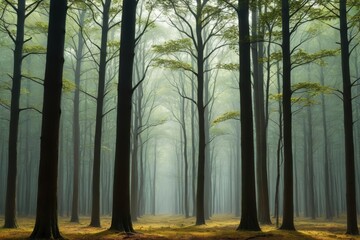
[{"x": 198, "y": 115}]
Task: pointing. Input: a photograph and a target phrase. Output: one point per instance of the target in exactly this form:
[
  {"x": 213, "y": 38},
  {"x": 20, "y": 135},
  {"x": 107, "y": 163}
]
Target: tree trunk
[
  {"x": 10, "y": 204},
  {"x": 76, "y": 123},
  {"x": 327, "y": 163},
  {"x": 288, "y": 208},
  {"x": 352, "y": 227},
  {"x": 185, "y": 154},
  {"x": 310, "y": 158},
  {"x": 260, "y": 125},
  {"x": 46, "y": 225},
  {"x": 121, "y": 218},
  {"x": 153, "y": 208},
  {"x": 95, "y": 207},
  {"x": 248, "y": 197},
  {"x": 200, "y": 193}
]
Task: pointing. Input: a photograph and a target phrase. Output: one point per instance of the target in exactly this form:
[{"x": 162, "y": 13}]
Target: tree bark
[
  {"x": 121, "y": 218},
  {"x": 248, "y": 198},
  {"x": 352, "y": 227},
  {"x": 288, "y": 199},
  {"x": 76, "y": 123},
  {"x": 260, "y": 124},
  {"x": 46, "y": 225},
  {"x": 200, "y": 191},
  {"x": 10, "y": 203},
  {"x": 95, "y": 207}
]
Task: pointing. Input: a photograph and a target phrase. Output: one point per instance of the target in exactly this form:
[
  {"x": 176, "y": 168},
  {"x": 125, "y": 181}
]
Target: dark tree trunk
[
  {"x": 248, "y": 197},
  {"x": 260, "y": 124},
  {"x": 200, "y": 193},
  {"x": 121, "y": 218},
  {"x": 95, "y": 207},
  {"x": 76, "y": 123},
  {"x": 352, "y": 227},
  {"x": 288, "y": 204},
  {"x": 46, "y": 225},
  {"x": 10, "y": 203}
]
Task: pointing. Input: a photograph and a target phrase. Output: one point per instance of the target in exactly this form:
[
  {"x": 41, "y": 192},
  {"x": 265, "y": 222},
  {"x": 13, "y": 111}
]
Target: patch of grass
[{"x": 177, "y": 227}]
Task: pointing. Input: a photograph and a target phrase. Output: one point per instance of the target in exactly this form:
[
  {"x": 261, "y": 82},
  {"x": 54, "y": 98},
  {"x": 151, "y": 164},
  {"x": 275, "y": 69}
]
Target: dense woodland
[{"x": 124, "y": 109}]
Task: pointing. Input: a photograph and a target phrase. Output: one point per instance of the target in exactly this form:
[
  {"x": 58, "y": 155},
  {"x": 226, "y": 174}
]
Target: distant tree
[
  {"x": 121, "y": 218},
  {"x": 106, "y": 23},
  {"x": 79, "y": 57},
  {"x": 260, "y": 116},
  {"x": 46, "y": 225},
  {"x": 203, "y": 24},
  {"x": 22, "y": 11}
]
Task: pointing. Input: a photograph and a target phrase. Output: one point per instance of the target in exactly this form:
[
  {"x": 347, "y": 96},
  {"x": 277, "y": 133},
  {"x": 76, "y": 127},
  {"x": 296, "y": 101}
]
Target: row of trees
[{"x": 209, "y": 28}]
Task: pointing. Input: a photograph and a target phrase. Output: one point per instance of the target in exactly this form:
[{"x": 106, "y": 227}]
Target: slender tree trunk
[
  {"x": 76, "y": 123},
  {"x": 279, "y": 152},
  {"x": 260, "y": 125},
  {"x": 248, "y": 197},
  {"x": 306, "y": 172},
  {"x": 327, "y": 160},
  {"x": 121, "y": 218},
  {"x": 95, "y": 207},
  {"x": 288, "y": 211},
  {"x": 134, "y": 160},
  {"x": 10, "y": 204},
  {"x": 200, "y": 193},
  {"x": 46, "y": 225},
  {"x": 185, "y": 155},
  {"x": 193, "y": 150},
  {"x": 153, "y": 209},
  {"x": 311, "y": 165},
  {"x": 352, "y": 227}
]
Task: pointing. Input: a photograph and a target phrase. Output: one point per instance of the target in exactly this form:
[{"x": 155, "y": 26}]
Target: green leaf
[
  {"x": 173, "y": 64},
  {"x": 34, "y": 49},
  {"x": 228, "y": 66},
  {"x": 226, "y": 116},
  {"x": 68, "y": 86},
  {"x": 173, "y": 46}
]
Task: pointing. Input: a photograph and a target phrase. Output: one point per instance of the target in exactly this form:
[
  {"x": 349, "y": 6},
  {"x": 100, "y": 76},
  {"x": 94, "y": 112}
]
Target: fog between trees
[{"x": 233, "y": 108}]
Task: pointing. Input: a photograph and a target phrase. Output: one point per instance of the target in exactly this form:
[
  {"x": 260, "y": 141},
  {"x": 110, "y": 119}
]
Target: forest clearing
[{"x": 177, "y": 227}]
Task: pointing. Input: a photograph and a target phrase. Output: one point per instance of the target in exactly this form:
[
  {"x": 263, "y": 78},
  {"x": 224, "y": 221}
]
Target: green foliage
[
  {"x": 231, "y": 34},
  {"x": 68, "y": 86},
  {"x": 308, "y": 91},
  {"x": 5, "y": 103},
  {"x": 34, "y": 49},
  {"x": 303, "y": 101},
  {"x": 312, "y": 88},
  {"x": 172, "y": 64},
  {"x": 226, "y": 116},
  {"x": 24, "y": 91},
  {"x": 113, "y": 44},
  {"x": 39, "y": 27},
  {"x": 301, "y": 57},
  {"x": 173, "y": 46},
  {"x": 228, "y": 66}
]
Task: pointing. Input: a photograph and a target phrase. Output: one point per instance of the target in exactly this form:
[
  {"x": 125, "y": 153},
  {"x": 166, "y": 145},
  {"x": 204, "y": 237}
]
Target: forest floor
[{"x": 177, "y": 227}]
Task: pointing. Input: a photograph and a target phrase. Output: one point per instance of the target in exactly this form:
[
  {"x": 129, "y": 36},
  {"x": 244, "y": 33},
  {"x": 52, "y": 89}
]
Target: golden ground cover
[{"x": 177, "y": 227}]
